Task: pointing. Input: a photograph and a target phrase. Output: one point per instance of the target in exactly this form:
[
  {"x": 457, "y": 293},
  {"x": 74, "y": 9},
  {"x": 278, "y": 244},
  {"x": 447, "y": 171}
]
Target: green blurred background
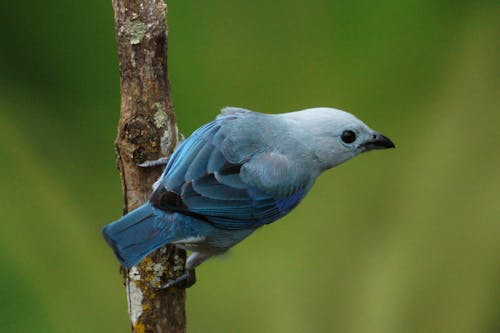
[{"x": 398, "y": 241}]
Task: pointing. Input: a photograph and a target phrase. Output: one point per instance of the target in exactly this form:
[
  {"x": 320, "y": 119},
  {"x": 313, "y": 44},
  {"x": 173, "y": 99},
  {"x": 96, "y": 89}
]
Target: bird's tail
[{"x": 136, "y": 235}]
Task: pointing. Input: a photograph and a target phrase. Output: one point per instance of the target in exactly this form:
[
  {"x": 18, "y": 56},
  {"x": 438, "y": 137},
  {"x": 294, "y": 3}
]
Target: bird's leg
[
  {"x": 185, "y": 280},
  {"x": 188, "y": 278},
  {"x": 154, "y": 163}
]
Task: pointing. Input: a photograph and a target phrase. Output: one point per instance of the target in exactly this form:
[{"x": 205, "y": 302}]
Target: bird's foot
[
  {"x": 186, "y": 280},
  {"x": 154, "y": 163}
]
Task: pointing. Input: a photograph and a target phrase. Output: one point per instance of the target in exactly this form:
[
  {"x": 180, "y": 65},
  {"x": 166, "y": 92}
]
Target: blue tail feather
[{"x": 136, "y": 235}]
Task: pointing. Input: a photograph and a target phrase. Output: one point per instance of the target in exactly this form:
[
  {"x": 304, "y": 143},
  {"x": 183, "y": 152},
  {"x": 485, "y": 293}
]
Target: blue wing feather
[
  {"x": 212, "y": 188},
  {"x": 199, "y": 166},
  {"x": 232, "y": 180}
]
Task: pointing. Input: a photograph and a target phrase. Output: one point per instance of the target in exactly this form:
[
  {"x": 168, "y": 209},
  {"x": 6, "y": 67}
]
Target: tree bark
[{"x": 147, "y": 131}]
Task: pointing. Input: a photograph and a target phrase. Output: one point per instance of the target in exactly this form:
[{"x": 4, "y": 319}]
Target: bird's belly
[{"x": 217, "y": 241}]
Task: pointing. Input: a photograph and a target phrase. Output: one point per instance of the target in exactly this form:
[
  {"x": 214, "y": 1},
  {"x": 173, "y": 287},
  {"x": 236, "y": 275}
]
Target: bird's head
[{"x": 336, "y": 136}]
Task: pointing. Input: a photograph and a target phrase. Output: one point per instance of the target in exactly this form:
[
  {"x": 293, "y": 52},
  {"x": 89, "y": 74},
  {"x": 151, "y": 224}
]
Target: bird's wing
[{"x": 229, "y": 183}]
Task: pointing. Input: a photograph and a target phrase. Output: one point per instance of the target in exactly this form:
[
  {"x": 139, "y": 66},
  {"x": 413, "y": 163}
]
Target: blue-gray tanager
[{"x": 235, "y": 174}]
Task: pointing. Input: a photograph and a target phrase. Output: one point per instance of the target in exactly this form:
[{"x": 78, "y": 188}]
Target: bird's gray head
[{"x": 336, "y": 136}]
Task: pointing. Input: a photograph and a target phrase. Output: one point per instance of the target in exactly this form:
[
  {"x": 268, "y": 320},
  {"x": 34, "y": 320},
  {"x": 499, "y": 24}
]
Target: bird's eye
[{"x": 348, "y": 136}]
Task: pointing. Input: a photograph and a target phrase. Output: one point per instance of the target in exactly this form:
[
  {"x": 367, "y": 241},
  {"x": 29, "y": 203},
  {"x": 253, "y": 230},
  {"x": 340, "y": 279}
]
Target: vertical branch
[{"x": 146, "y": 131}]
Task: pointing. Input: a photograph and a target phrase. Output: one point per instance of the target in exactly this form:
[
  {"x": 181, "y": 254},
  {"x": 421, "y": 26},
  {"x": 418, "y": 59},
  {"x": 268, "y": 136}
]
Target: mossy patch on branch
[
  {"x": 160, "y": 117},
  {"x": 135, "y": 30}
]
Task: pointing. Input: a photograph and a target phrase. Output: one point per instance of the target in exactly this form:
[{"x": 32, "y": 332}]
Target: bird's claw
[
  {"x": 154, "y": 163},
  {"x": 185, "y": 280}
]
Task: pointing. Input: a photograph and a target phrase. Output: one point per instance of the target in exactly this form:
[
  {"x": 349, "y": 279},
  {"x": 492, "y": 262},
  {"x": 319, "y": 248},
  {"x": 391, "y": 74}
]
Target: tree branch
[{"x": 146, "y": 131}]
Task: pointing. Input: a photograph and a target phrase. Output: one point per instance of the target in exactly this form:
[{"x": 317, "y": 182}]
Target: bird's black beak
[{"x": 377, "y": 141}]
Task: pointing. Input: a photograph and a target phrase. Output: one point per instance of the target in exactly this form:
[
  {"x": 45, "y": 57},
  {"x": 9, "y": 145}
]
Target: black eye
[{"x": 348, "y": 136}]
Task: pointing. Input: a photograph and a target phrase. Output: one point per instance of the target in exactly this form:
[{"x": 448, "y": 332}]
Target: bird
[{"x": 233, "y": 175}]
